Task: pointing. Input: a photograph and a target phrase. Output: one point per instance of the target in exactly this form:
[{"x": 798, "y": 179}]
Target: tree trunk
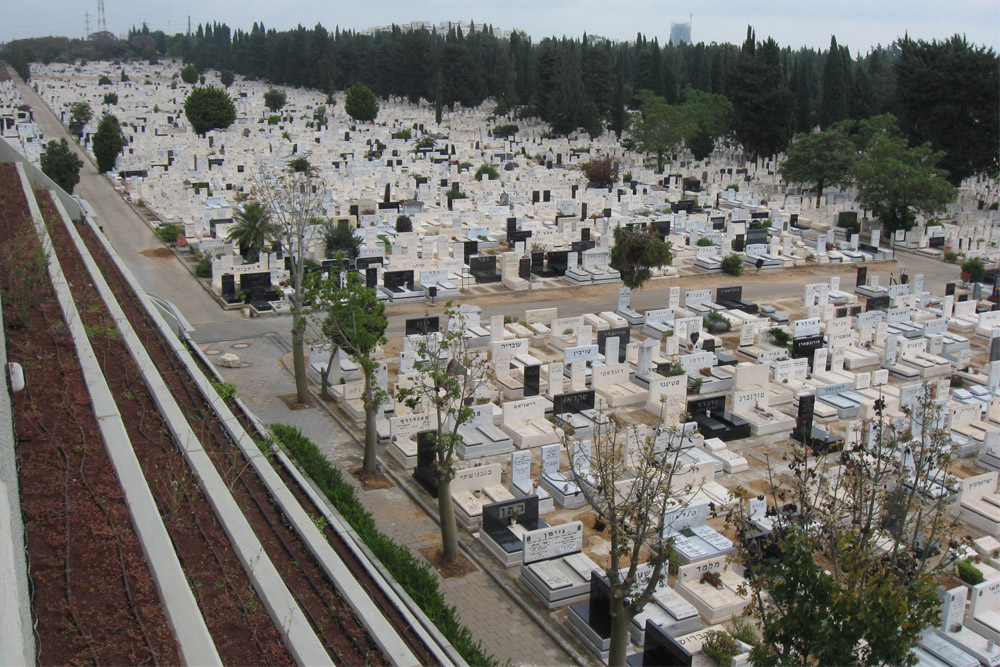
[
  {"x": 619, "y": 632},
  {"x": 371, "y": 434},
  {"x": 449, "y": 531},
  {"x": 819, "y": 191},
  {"x": 324, "y": 377},
  {"x": 299, "y": 359}
]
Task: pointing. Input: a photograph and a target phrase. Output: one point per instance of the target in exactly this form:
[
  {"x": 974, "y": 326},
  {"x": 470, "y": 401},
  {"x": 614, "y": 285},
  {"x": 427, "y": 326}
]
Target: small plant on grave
[
  {"x": 425, "y": 142},
  {"x": 732, "y": 264},
  {"x": 973, "y": 270},
  {"x": 567, "y": 332},
  {"x": 204, "y": 267},
  {"x": 811, "y": 257},
  {"x": 718, "y": 321},
  {"x": 969, "y": 573},
  {"x": 720, "y": 647},
  {"x": 696, "y": 385},
  {"x": 273, "y": 119},
  {"x": 225, "y": 390},
  {"x": 779, "y": 335},
  {"x": 488, "y": 171},
  {"x": 402, "y": 134},
  {"x": 712, "y": 579},
  {"x": 168, "y": 233},
  {"x": 950, "y": 256},
  {"x": 742, "y": 630},
  {"x": 704, "y": 242}
]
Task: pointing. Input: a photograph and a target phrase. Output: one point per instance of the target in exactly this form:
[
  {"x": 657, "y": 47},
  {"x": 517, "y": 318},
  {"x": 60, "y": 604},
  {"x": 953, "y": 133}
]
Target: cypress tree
[{"x": 834, "y": 100}]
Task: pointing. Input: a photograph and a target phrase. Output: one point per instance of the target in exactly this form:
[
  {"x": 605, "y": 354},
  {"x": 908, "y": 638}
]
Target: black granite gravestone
[
  {"x": 558, "y": 262},
  {"x": 498, "y": 517},
  {"x": 229, "y": 288},
  {"x": 424, "y": 473},
  {"x": 804, "y": 418},
  {"x": 756, "y": 237},
  {"x": 532, "y": 378},
  {"x": 995, "y": 349},
  {"x": 862, "y": 277},
  {"x": 524, "y": 268},
  {"x": 803, "y": 348},
  {"x": 421, "y": 326},
  {"x": 574, "y": 401},
  {"x": 483, "y": 268},
  {"x": 880, "y": 302},
  {"x": 371, "y": 277},
  {"x": 624, "y": 336},
  {"x": 661, "y": 650}
]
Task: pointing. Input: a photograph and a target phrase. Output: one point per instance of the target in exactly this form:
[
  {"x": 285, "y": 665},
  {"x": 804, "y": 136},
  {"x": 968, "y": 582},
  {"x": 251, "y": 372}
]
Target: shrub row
[{"x": 412, "y": 573}]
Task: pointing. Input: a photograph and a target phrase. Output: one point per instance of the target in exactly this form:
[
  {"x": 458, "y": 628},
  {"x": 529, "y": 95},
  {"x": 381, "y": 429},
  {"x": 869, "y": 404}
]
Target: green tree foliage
[
  {"x": 351, "y": 317},
  {"x": 834, "y": 100},
  {"x": 61, "y": 164},
  {"x": 209, "y": 108},
  {"x": 80, "y": 114},
  {"x": 104, "y": 80},
  {"x": 189, "y": 74},
  {"x": 111, "y": 98},
  {"x": 601, "y": 172},
  {"x": 947, "y": 94},
  {"x": 861, "y": 588},
  {"x": 404, "y": 224},
  {"x": 360, "y": 103},
  {"x": 487, "y": 171},
  {"x": 709, "y": 118},
  {"x": 274, "y": 99},
  {"x": 659, "y": 128},
  {"x": 762, "y": 102},
  {"x": 636, "y": 253},
  {"x": 820, "y": 159},
  {"x": 226, "y": 77},
  {"x": 896, "y": 182},
  {"x": 341, "y": 238},
  {"x": 733, "y": 264},
  {"x": 108, "y": 143},
  {"x": 252, "y": 231}
]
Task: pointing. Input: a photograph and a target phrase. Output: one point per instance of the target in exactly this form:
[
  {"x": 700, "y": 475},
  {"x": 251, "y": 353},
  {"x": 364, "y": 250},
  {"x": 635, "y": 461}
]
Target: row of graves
[
  {"x": 539, "y": 210},
  {"x": 17, "y": 125},
  {"x": 525, "y": 460}
]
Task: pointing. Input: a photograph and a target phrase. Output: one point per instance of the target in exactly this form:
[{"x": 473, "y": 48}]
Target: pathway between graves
[{"x": 505, "y": 629}]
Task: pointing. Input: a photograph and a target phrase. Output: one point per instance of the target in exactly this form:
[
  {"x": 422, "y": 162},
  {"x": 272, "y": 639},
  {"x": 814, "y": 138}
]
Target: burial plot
[
  {"x": 714, "y": 421},
  {"x": 504, "y": 526},
  {"x": 554, "y": 566},
  {"x": 523, "y": 484}
]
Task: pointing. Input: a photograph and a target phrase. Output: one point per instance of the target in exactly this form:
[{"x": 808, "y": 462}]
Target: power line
[
  {"x": 102, "y": 24},
  {"x": 86, "y": 25}
]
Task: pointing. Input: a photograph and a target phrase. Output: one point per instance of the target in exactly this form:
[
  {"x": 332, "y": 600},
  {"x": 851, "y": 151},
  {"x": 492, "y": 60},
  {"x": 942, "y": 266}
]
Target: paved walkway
[{"x": 505, "y": 629}]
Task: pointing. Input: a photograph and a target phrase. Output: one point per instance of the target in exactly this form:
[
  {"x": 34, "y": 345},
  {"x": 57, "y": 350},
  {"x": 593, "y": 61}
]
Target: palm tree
[{"x": 252, "y": 231}]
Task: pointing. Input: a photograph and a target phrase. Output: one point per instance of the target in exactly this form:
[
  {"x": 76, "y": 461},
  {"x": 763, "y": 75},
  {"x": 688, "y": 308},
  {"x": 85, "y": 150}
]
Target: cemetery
[{"x": 740, "y": 381}]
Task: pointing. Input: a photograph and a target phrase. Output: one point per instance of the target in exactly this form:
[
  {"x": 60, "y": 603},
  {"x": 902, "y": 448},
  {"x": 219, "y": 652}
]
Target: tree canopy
[
  {"x": 360, "y": 103},
  {"x": 61, "y": 164},
  {"x": 108, "y": 143},
  {"x": 896, "y": 182},
  {"x": 947, "y": 94},
  {"x": 820, "y": 159},
  {"x": 189, "y": 74},
  {"x": 252, "y": 230},
  {"x": 274, "y": 99},
  {"x": 226, "y": 77},
  {"x": 209, "y": 108},
  {"x": 762, "y": 102},
  {"x": 659, "y": 128},
  {"x": 80, "y": 114},
  {"x": 636, "y": 253}
]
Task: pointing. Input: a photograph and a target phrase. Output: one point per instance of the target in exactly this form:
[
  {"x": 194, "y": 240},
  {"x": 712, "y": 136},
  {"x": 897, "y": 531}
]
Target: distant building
[{"x": 680, "y": 33}]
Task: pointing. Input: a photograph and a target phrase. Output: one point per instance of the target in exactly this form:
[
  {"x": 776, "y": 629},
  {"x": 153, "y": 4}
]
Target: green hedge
[{"x": 412, "y": 573}]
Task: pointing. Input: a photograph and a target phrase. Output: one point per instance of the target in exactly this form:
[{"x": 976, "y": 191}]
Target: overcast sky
[{"x": 860, "y": 24}]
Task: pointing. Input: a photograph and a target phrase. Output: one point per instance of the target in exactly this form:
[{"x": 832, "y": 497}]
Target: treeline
[{"x": 584, "y": 83}]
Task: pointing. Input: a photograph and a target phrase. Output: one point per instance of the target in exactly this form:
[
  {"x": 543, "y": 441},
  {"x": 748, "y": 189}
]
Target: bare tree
[
  {"x": 293, "y": 197},
  {"x": 858, "y": 537},
  {"x": 449, "y": 376},
  {"x": 630, "y": 485}
]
